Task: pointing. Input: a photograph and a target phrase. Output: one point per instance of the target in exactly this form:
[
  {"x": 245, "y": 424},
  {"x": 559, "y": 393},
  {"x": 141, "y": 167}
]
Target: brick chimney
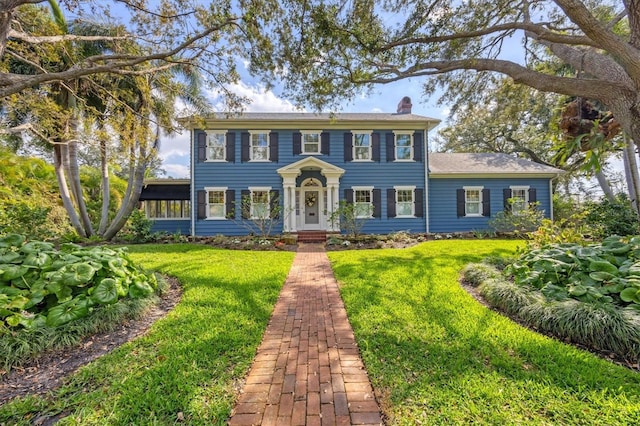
[{"x": 404, "y": 107}]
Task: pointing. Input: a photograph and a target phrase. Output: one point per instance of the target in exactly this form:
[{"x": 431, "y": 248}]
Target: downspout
[
  {"x": 551, "y": 195},
  {"x": 194, "y": 202},
  {"x": 426, "y": 178}
]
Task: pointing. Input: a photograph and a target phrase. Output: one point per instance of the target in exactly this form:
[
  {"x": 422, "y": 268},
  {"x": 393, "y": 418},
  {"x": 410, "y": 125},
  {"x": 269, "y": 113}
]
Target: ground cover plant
[
  {"x": 589, "y": 295},
  {"x": 187, "y": 368},
  {"x": 437, "y": 356}
]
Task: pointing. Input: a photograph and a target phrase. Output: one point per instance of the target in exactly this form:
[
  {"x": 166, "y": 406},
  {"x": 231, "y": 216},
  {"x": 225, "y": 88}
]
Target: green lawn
[
  {"x": 436, "y": 356},
  {"x": 191, "y": 361}
]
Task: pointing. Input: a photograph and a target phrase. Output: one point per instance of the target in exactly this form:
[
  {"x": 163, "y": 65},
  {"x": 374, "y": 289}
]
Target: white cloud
[
  {"x": 177, "y": 171},
  {"x": 260, "y": 99}
]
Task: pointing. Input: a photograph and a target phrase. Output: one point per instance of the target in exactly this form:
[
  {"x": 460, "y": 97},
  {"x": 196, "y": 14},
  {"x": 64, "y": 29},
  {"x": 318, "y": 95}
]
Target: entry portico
[{"x": 311, "y": 194}]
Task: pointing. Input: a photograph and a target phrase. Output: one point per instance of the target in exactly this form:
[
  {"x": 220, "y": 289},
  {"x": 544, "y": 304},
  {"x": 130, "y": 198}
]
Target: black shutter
[
  {"x": 419, "y": 202},
  {"x": 348, "y": 146},
  {"x": 274, "y": 203},
  {"x": 297, "y": 143},
  {"x": 202, "y": 204},
  {"x": 377, "y": 202},
  {"x": 230, "y": 204},
  {"x": 391, "y": 149},
  {"x": 231, "y": 147},
  {"x": 375, "y": 147},
  {"x": 325, "y": 143},
  {"x": 532, "y": 195},
  {"x": 460, "y": 202},
  {"x": 391, "y": 202},
  {"x": 486, "y": 202},
  {"x": 348, "y": 195},
  {"x": 244, "y": 147},
  {"x": 245, "y": 203},
  {"x": 417, "y": 146},
  {"x": 506, "y": 194},
  {"x": 273, "y": 147},
  {"x": 202, "y": 147}
]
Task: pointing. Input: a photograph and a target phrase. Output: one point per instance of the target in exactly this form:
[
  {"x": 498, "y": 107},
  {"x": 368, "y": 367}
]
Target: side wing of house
[
  {"x": 467, "y": 190},
  {"x": 167, "y": 202}
]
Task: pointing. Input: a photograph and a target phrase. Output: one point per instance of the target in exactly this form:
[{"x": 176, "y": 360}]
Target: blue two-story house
[{"x": 302, "y": 165}]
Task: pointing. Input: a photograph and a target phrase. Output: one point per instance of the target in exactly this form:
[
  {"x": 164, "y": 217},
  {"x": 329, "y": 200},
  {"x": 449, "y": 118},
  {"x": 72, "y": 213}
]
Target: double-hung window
[
  {"x": 361, "y": 146},
  {"x": 363, "y": 201},
  {"x": 473, "y": 200},
  {"x": 259, "y": 146},
  {"x": 403, "y": 146},
  {"x": 216, "y": 145},
  {"x": 216, "y": 203},
  {"x": 310, "y": 142},
  {"x": 260, "y": 202},
  {"x": 519, "y": 199},
  {"x": 405, "y": 206}
]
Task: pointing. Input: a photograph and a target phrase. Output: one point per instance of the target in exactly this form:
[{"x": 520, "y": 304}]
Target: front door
[{"x": 311, "y": 208}]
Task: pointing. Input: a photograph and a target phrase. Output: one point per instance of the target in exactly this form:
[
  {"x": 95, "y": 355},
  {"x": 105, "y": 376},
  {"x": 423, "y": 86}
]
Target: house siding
[
  {"x": 172, "y": 226},
  {"x": 239, "y": 176},
  {"x": 442, "y": 201}
]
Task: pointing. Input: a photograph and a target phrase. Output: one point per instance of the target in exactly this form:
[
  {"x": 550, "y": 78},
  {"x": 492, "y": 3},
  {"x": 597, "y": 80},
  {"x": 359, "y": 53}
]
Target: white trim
[
  {"x": 253, "y": 189},
  {"x": 222, "y": 189},
  {"x": 411, "y": 188},
  {"x": 259, "y": 188},
  {"x": 426, "y": 179},
  {"x": 371, "y": 206},
  {"x": 353, "y": 146},
  {"x": 525, "y": 189},
  {"x": 224, "y": 146},
  {"x": 268, "y": 147},
  {"x": 302, "y": 144},
  {"x": 194, "y": 199},
  {"x": 411, "y": 158},
  {"x": 480, "y": 200}
]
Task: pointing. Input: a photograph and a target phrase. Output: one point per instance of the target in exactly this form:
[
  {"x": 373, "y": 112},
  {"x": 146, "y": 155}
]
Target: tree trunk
[
  {"x": 604, "y": 185},
  {"x": 631, "y": 170},
  {"x": 58, "y": 155},
  {"x": 106, "y": 194},
  {"x": 134, "y": 188}
]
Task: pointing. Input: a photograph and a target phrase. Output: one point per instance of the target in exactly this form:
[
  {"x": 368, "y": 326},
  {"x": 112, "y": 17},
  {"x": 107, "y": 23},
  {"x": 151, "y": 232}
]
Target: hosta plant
[
  {"x": 44, "y": 286},
  {"x": 607, "y": 272}
]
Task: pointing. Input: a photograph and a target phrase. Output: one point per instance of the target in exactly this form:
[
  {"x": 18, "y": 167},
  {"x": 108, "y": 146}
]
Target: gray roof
[
  {"x": 485, "y": 163},
  {"x": 294, "y": 116}
]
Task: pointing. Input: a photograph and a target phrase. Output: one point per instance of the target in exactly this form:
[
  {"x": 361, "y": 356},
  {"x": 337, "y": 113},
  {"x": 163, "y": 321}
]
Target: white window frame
[
  {"x": 413, "y": 200},
  {"x": 467, "y": 189},
  {"x": 222, "y": 189},
  {"x": 307, "y": 133},
  {"x": 267, "y": 148},
  {"x": 396, "y": 146},
  {"x": 210, "y": 135},
  {"x": 252, "y": 191},
  {"x": 525, "y": 189},
  {"x": 356, "y": 203},
  {"x": 149, "y": 205},
  {"x": 355, "y": 148}
]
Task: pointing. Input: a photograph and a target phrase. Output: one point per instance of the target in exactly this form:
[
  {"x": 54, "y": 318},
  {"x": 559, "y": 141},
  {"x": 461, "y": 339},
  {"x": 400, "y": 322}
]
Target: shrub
[
  {"x": 477, "y": 273},
  {"x": 525, "y": 220},
  {"x": 566, "y": 230},
  {"x": 612, "y": 217}
]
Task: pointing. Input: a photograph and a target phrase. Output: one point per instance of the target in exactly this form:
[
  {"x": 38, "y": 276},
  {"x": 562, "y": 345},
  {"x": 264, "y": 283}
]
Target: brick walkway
[{"x": 308, "y": 369}]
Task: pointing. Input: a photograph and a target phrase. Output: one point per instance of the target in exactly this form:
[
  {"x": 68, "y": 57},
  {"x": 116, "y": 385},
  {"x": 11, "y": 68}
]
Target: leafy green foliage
[
  {"x": 41, "y": 286},
  {"x": 519, "y": 222},
  {"x": 347, "y": 217},
  {"x": 565, "y": 230},
  {"x": 612, "y": 218},
  {"x": 605, "y": 273}
]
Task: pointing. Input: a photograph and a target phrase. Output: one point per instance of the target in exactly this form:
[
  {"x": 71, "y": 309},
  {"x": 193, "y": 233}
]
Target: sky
[{"x": 174, "y": 151}]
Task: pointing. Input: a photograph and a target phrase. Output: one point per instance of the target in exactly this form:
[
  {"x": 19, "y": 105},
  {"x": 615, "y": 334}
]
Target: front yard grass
[
  {"x": 437, "y": 356},
  {"x": 189, "y": 364}
]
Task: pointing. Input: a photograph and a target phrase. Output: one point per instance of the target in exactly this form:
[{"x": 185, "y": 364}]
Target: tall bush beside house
[
  {"x": 615, "y": 217},
  {"x": 517, "y": 222},
  {"x": 349, "y": 218}
]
